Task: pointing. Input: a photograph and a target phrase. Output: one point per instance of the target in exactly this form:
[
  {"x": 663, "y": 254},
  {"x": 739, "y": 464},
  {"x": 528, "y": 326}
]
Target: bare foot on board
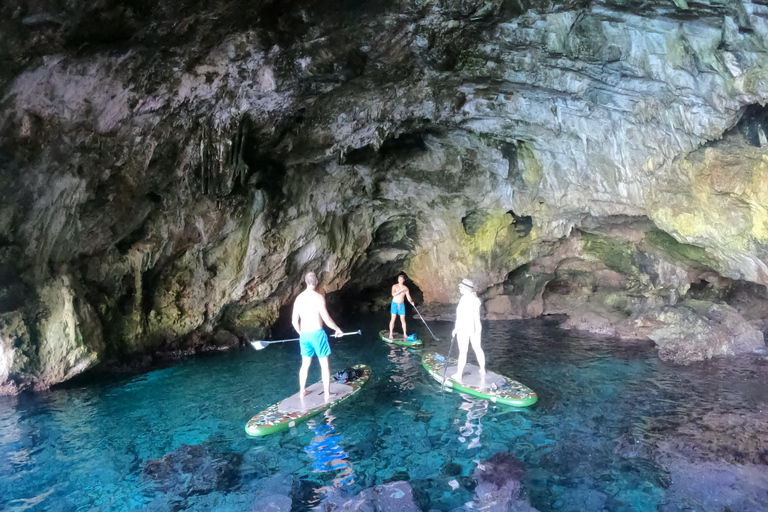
[{"x": 329, "y": 396}]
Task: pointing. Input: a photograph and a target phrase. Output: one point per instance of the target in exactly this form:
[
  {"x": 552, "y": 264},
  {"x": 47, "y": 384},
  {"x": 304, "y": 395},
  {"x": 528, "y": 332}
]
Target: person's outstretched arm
[
  {"x": 408, "y": 295},
  {"x": 327, "y": 318}
]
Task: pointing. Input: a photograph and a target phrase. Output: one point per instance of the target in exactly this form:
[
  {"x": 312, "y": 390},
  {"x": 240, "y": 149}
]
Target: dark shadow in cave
[
  {"x": 523, "y": 224},
  {"x": 372, "y": 278},
  {"x": 402, "y": 147},
  {"x": 753, "y": 125},
  {"x": 345, "y": 304},
  {"x": 373, "y": 298}
]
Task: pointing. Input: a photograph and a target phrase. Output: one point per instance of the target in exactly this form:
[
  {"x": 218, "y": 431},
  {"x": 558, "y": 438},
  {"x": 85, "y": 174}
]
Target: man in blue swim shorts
[
  {"x": 399, "y": 293},
  {"x": 309, "y": 313}
]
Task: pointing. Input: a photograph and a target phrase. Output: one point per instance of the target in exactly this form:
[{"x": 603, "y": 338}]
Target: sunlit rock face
[{"x": 169, "y": 173}]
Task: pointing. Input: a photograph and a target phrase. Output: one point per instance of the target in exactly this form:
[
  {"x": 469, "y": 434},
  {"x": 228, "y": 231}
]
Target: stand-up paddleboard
[
  {"x": 399, "y": 339},
  {"x": 293, "y": 410},
  {"x": 493, "y": 387}
]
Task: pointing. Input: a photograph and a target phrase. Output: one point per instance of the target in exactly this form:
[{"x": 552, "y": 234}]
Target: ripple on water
[{"x": 614, "y": 429}]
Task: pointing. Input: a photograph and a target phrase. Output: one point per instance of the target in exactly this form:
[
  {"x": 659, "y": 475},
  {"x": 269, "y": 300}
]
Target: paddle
[
  {"x": 262, "y": 344},
  {"x": 425, "y": 324},
  {"x": 445, "y": 368}
]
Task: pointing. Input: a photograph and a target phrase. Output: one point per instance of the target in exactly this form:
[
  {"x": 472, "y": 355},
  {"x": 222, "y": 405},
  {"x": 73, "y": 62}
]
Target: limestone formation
[{"x": 169, "y": 171}]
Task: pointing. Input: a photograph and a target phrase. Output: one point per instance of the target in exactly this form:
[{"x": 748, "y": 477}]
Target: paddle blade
[{"x": 259, "y": 345}]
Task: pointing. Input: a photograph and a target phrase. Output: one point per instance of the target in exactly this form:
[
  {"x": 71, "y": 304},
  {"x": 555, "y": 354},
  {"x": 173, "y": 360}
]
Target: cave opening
[
  {"x": 753, "y": 125},
  {"x": 352, "y": 300},
  {"x": 373, "y": 297}
]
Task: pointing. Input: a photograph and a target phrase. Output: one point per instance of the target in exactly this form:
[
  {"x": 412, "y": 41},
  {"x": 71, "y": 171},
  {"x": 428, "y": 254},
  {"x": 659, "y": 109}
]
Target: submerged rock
[
  {"x": 498, "y": 486},
  {"x": 716, "y": 486},
  {"x": 192, "y": 470},
  {"x": 390, "y": 497},
  {"x": 716, "y": 461}
]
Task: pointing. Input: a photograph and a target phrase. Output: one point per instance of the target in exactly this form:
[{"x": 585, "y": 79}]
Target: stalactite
[{"x": 222, "y": 164}]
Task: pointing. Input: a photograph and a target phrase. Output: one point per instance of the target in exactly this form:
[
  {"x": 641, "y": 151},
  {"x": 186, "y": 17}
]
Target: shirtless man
[
  {"x": 399, "y": 293},
  {"x": 468, "y": 328},
  {"x": 309, "y": 313}
]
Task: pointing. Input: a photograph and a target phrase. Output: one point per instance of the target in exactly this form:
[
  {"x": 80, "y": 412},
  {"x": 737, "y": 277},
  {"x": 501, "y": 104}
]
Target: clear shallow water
[{"x": 590, "y": 443}]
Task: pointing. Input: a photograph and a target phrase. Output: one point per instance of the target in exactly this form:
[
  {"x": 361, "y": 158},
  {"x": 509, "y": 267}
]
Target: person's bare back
[
  {"x": 308, "y": 310},
  {"x": 309, "y": 314}
]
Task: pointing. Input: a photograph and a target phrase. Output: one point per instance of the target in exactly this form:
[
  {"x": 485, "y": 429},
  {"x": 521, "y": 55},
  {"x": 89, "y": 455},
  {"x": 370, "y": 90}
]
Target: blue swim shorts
[
  {"x": 397, "y": 309},
  {"x": 314, "y": 343}
]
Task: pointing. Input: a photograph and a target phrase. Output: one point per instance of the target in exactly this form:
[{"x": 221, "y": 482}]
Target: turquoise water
[{"x": 591, "y": 443}]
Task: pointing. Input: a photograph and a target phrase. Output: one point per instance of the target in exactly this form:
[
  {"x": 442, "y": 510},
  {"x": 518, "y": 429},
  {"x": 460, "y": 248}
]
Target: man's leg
[
  {"x": 402, "y": 320},
  {"x": 326, "y": 371},
  {"x": 303, "y": 372},
  {"x": 463, "y": 342},
  {"x": 392, "y": 325},
  {"x": 475, "y": 339}
]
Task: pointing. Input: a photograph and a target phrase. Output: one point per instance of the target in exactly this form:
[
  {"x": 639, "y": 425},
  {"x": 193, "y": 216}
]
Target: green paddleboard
[
  {"x": 293, "y": 410},
  {"x": 493, "y": 387},
  {"x": 398, "y": 339}
]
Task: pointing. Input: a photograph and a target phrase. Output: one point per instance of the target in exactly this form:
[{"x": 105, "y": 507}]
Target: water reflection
[
  {"x": 405, "y": 367},
  {"x": 30, "y": 503},
  {"x": 473, "y": 426},
  {"x": 327, "y": 454}
]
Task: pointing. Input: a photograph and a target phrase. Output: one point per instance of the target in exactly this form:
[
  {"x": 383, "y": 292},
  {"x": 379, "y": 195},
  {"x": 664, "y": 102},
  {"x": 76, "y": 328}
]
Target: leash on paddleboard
[
  {"x": 425, "y": 324},
  {"x": 445, "y": 368},
  {"x": 262, "y": 344}
]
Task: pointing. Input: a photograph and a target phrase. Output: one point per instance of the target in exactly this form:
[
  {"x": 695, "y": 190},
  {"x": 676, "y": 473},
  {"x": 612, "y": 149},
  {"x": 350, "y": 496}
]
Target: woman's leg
[
  {"x": 463, "y": 342},
  {"x": 475, "y": 339}
]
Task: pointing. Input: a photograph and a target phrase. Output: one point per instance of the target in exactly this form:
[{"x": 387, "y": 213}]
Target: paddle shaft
[
  {"x": 297, "y": 339},
  {"x": 425, "y": 324},
  {"x": 445, "y": 368}
]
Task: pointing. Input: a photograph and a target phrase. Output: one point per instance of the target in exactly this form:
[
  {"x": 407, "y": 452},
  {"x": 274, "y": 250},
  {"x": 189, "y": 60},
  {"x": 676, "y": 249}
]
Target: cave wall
[{"x": 169, "y": 170}]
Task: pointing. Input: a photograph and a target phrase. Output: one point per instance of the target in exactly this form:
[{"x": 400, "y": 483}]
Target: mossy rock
[
  {"x": 690, "y": 255},
  {"x": 15, "y": 343},
  {"x": 255, "y": 320},
  {"x": 618, "y": 255}
]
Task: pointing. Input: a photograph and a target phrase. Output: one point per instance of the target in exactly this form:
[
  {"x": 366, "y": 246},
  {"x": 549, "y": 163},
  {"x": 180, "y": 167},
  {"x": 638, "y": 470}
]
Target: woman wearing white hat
[{"x": 468, "y": 328}]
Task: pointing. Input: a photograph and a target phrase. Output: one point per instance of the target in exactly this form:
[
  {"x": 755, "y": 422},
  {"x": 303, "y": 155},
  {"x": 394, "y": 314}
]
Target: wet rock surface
[{"x": 172, "y": 170}]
